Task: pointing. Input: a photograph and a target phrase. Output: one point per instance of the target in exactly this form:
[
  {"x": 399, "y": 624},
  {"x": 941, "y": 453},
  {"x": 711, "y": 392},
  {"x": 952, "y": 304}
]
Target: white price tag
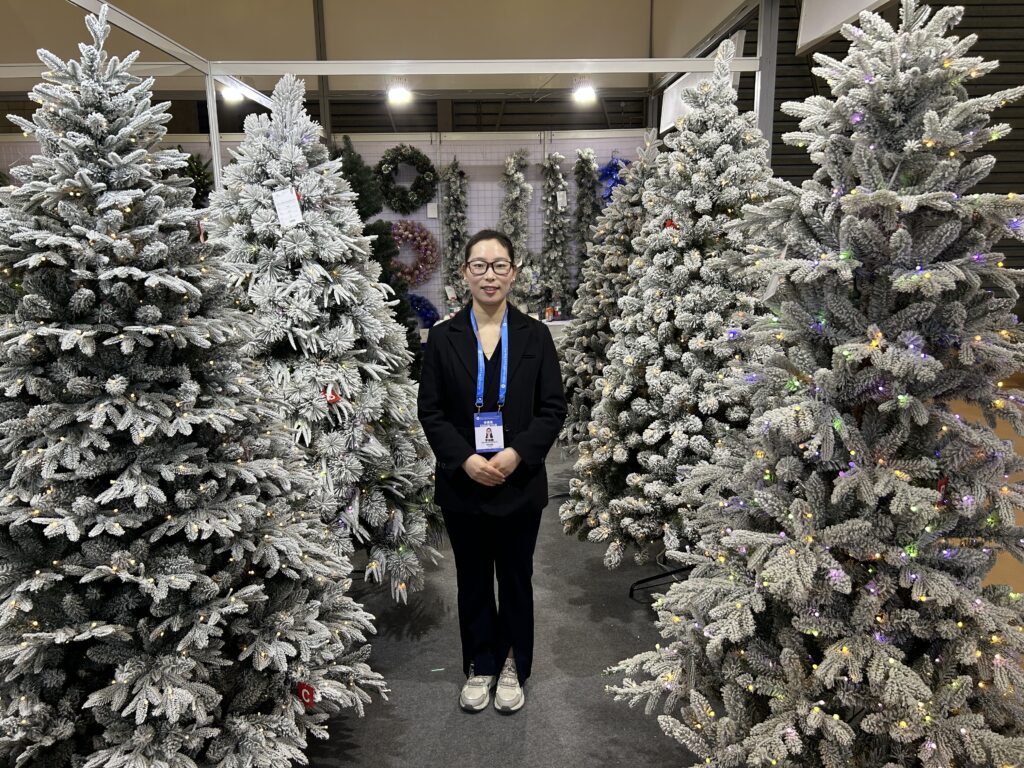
[
  {"x": 561, "y": 199},
  {"x": 287, "y": 204},
  {"x": 431, "y": 210},
  {"x": 449, "y": 291}
]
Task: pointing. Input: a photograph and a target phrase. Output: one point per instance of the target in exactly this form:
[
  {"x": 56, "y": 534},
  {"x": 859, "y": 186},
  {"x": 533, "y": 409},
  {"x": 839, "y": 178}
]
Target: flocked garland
[
  {"x": 426, "y": 311},
  {"x": 554, "y": 258},
  {"x": 412, "y": 234},
  {"x": 513, "y": 220},
  {"x": 454, "y": 232},
  {"x": 423, "y": 189},
  {"x": 588, "y": 207}
]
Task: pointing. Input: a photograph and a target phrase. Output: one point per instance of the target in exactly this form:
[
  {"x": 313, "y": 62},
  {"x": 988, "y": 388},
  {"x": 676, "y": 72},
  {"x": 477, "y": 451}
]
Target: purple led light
[{"x": 857, "y": 118}]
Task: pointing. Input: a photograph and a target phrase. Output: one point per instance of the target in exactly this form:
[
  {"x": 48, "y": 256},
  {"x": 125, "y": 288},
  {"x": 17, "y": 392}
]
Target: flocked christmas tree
[
  {"x": 336, "y": 359},
  {"x": 166, "y": 595},
  {"x": 605, "y": 279},
  {"x": 513, "y": 220},
  {"x": 836, "y": 613},
  {"x": 557, "y": 245},
  {"x": 586, "y": 173},
  {"x": 663, "y": 402},
  {"x": 454, "y": 233}
]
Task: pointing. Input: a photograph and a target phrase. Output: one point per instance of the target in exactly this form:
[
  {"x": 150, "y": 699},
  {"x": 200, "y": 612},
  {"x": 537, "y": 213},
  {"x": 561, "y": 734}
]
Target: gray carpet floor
[{"x": 585, "y": 621}]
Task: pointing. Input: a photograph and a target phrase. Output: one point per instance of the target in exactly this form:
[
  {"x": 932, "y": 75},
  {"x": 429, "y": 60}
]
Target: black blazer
[{"x": 533, "y": 413}]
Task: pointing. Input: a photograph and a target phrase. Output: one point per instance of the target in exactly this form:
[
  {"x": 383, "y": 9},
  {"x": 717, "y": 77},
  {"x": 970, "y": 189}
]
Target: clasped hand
[{"x": 494, "y": 471}]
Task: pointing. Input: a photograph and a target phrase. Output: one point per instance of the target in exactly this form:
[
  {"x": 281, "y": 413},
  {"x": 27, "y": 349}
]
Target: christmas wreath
[
  {"x": 414, "y": 235},
  {"x": 423, "y": 188}
]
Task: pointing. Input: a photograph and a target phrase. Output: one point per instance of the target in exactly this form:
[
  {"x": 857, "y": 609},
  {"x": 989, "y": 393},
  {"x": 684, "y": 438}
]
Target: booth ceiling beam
[
  {"x": 764, "y": 81},
  {"x": 33, "y": 70},
  {"x": 476, "y": 66}
]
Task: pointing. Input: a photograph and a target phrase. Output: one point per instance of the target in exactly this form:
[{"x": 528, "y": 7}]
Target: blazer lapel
[
  {"x": 518, "y": 335},
  {"x": 464, "y": 341}
]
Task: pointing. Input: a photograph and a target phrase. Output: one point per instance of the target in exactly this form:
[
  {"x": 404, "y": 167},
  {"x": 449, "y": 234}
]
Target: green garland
[{"x": 423, "y": 188}]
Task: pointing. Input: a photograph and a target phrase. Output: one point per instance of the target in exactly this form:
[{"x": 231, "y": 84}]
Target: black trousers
[{"x": 485, "y": 546}]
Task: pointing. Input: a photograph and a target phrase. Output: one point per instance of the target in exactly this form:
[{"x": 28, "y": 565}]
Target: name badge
[{"x": 490, "y": 432}]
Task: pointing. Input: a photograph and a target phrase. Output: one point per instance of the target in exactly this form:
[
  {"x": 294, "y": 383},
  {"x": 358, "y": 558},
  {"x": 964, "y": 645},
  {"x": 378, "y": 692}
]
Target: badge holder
[{"x": 488, "y": 426}]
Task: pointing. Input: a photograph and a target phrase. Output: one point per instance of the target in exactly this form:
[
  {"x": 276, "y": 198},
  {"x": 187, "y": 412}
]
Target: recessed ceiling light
[
  {"x": 584, "y": 93},
  {"x": 399, "y": 93},
  {"x": 232, "y": 95}
]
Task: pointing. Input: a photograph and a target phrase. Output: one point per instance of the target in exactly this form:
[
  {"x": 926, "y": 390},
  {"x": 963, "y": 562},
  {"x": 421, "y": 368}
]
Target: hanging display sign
[
  {"x": 672, "y": 106},
  {"x": 822, "y": 20}
]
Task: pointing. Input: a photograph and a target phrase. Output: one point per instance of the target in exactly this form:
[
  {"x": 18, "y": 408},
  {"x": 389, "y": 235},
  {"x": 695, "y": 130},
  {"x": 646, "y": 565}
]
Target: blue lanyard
[{"x": 503, "y": 386}]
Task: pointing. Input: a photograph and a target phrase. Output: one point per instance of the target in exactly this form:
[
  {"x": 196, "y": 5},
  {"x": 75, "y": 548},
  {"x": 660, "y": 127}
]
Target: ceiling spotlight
[
  {"x": 583, "y": 92},
  {"x": 399, "y": 93},
  {"x": 232, "y": 95}
]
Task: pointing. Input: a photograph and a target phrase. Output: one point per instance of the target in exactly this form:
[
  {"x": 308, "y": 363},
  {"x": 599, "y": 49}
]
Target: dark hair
[{"x": 491, "y": 234}]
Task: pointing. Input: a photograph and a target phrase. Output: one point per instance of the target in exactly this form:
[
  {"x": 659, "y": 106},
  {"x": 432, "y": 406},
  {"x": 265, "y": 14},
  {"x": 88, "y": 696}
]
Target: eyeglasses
[{"x": 479, "y": 268}]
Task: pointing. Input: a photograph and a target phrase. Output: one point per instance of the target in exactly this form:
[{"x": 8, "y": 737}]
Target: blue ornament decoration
[
  {"x": 609, "y": 177},
  {"x": 426, "y": 311}
]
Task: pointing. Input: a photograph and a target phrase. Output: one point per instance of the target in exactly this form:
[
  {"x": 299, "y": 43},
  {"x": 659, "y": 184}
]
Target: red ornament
[
  {"x": 669, "y": 224},
  {"x": 331, "y": 398},
  {"x": 943, "y": 482},
  {"x": 307, "y": 693}
]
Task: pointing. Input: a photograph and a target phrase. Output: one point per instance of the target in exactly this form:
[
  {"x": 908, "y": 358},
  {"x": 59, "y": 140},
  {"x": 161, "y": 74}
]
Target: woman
[{"x": 492, "y": 368}]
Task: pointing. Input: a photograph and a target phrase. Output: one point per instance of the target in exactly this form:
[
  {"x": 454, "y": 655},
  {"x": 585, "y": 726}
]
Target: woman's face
[{"x": 490, "y": 288}]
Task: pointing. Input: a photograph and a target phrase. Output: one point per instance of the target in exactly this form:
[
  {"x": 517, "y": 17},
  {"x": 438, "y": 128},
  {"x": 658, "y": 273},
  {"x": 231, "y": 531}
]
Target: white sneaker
[
  {"x": 476, "y": 693},
  {"x": 508, "y": 696}
]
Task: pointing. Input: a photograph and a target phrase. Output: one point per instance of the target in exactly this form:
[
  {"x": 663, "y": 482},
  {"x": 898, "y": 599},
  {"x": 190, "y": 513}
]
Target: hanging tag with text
[
  {"x": 286, "y": 202},
  {"x": 561, "y": 199}
]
